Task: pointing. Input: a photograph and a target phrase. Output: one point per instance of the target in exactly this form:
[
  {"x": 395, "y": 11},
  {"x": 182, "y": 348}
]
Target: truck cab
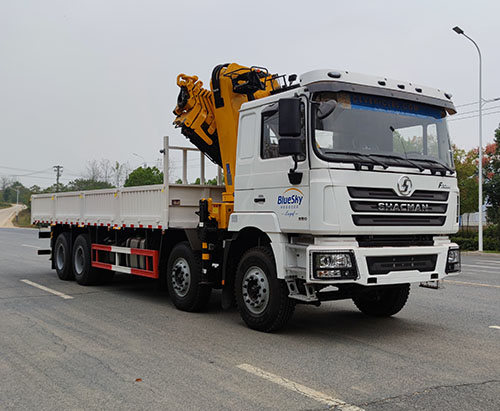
[{"x": 368, "y": 193}]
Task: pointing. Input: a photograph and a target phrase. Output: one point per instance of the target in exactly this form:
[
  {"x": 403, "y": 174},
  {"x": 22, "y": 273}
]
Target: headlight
[
  {"x": 453, "y": 260},
  {"x": 337, "y": 265}
]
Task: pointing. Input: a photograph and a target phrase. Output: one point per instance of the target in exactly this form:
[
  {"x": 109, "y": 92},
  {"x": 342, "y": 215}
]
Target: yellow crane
[{"x": 209, "y": 119}]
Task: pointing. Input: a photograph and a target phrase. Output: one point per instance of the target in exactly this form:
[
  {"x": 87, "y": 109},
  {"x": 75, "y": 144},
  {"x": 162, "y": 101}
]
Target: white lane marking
[
  {"x": 496, "y": 327},
  {"x": 28, "y": 245},
  {"x": 495, "y": 262},
  {"x": 49, "y": 290},
  {"x": 476, "y": 284},
  {"x": 298, "y": 388},
  {"x": 489, "y": 262},
  {"x": 488, "y": 267}
]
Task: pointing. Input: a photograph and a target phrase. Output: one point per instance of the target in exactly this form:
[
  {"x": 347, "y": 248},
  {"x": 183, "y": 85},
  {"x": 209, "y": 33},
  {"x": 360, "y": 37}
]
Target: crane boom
[{"x": 209, "y": 118}]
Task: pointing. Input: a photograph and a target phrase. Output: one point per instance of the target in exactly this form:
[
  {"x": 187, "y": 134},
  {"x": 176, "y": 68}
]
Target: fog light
[
  {"x": 334, "y": 265},
  {"x": 453, "y": 260}
]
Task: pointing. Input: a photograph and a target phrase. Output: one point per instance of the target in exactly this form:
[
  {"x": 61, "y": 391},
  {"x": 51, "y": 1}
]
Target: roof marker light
[{"x": 334, "y": 74}]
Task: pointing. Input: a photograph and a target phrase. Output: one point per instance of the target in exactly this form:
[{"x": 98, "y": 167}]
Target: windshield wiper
[
  {"x": 430, "y": 160},
  {"x": 420, "y": 168},
  {"x": 360, "y": 156}
]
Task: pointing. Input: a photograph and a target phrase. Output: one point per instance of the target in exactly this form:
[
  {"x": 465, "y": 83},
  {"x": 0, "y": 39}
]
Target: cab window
[{"x": 270, "y": 135}]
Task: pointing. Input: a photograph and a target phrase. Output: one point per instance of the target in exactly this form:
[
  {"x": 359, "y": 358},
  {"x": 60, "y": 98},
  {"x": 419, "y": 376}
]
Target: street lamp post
[{"x": 458, "y": 30}]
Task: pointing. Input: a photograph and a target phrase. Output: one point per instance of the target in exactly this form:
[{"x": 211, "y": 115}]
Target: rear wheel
[
  {"x": 62, "y": 257},
  {"x": 382, "y": 302},
  {"x": 83, "y": 271},
  {"x": 262, "y": 299},
  {"x": 184, "y": 277}
]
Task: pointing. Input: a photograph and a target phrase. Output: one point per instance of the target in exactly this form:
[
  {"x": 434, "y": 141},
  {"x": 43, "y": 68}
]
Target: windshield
[{"x": 386, "y": 131}]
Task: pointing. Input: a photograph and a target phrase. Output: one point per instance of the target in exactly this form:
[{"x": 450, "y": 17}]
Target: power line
[
  {"x": 467, "y": 104},
  {"x": 464, "y": 118},
  {"x": 38, "y": 177},
  {"x": 17, "y": 169},
  {"x": 30, "y": 173},
  {"x": 490, "y": 100},
  {"x": 475, "y": 111}
]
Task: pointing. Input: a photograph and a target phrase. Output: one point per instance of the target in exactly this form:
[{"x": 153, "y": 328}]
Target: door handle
[{"x": 259, "y": 200}]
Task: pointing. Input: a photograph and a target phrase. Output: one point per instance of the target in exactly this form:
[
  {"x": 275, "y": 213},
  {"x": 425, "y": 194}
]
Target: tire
[
  {"x": 382, "y": 302},
  {"x": 81, "y": 262},
  {"x": 184, "y": 277},
  {"x": 262, "y": 299},
  {"x": 62, "y": 257}
]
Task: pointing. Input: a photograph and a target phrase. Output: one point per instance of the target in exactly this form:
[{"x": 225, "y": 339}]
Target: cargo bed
[{"x": 153, "y": 206}]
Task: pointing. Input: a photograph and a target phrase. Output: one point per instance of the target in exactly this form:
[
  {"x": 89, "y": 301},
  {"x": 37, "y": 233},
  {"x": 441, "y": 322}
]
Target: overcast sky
[{"x": 83, "y": 80}]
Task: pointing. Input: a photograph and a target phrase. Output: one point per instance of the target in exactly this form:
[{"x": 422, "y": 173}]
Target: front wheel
[
  {"x": 184, "y": 279},
  {"x": 382, "y": 302},
  {"x": 262, "y": 299}
]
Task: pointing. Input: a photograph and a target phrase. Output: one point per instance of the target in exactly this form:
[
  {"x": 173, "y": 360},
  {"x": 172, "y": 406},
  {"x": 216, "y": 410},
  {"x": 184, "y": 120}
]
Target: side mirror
[
  {"x": 325, "y": 108},
  {"x": 289, "y": 117},
  {"x": 290, "y": 146}
]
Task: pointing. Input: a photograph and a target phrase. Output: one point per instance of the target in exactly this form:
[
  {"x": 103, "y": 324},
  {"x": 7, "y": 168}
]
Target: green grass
[
  {"x": 23, "y": 219},
  {"x": 3, "y": 204}
]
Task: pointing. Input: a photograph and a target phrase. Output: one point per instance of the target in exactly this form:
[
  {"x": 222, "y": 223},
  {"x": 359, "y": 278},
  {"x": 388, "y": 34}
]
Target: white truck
[{"x": 341, "y": 186}]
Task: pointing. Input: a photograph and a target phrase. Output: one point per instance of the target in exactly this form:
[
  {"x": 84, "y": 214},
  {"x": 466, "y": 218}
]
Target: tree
[
  {"x": 94, "y": 170},
  {"x": 81, "y": 184},
  {"x": 107, "y": 171},
  {"x": 491, "y": 167},
  {"x": 212, "y": 181},
  {"x": 120, "y": 173},
  {"x": 5, "y": 182},
  {"x": 143, "y": 176},
  {"x": 467, "y": 176},
  {"x": 9, "y": 194}
]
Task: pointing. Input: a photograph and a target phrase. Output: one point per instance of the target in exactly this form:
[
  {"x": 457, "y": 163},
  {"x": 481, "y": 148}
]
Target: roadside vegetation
[
  {"x": 467, "y": 166},
  {"x": 3, "y": 204},
  {"x": 23, "y": 219}
]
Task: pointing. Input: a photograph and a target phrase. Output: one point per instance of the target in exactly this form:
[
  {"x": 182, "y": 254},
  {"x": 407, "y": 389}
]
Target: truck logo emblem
[
  {"x": 290, "y": 201},
  {"x": 404, "y": 185},
  {"x": 443, "y": 185},
  {"x": 405, "y": 207}
]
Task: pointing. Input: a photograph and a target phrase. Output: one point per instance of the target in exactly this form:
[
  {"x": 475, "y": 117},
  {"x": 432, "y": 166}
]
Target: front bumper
[{"x": 386, "y": 265}]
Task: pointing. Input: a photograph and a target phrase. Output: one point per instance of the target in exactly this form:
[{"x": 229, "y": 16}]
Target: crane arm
[{"x": 209, "y": 118}]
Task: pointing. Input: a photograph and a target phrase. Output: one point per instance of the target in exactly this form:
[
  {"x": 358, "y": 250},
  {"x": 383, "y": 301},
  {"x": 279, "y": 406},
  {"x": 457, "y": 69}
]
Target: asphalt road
[
  {"x": 124, "y": 346},
  {"x": 6, "y": 215}
]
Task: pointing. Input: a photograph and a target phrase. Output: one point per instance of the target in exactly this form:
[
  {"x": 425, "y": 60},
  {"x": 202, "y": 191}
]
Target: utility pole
[{"x": 58, "y": 170}]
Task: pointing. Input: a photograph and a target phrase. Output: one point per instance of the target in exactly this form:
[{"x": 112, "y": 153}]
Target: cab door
[{"x": 272, "y": 190}]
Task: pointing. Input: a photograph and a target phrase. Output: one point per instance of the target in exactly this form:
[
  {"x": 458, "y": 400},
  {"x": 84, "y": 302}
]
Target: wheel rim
[
  {"x": 181, "y": 277},
  {"x": 255, "y": 290},
  {"x": 60, "y": 257},
  {"x": 79, "y": 260}
]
